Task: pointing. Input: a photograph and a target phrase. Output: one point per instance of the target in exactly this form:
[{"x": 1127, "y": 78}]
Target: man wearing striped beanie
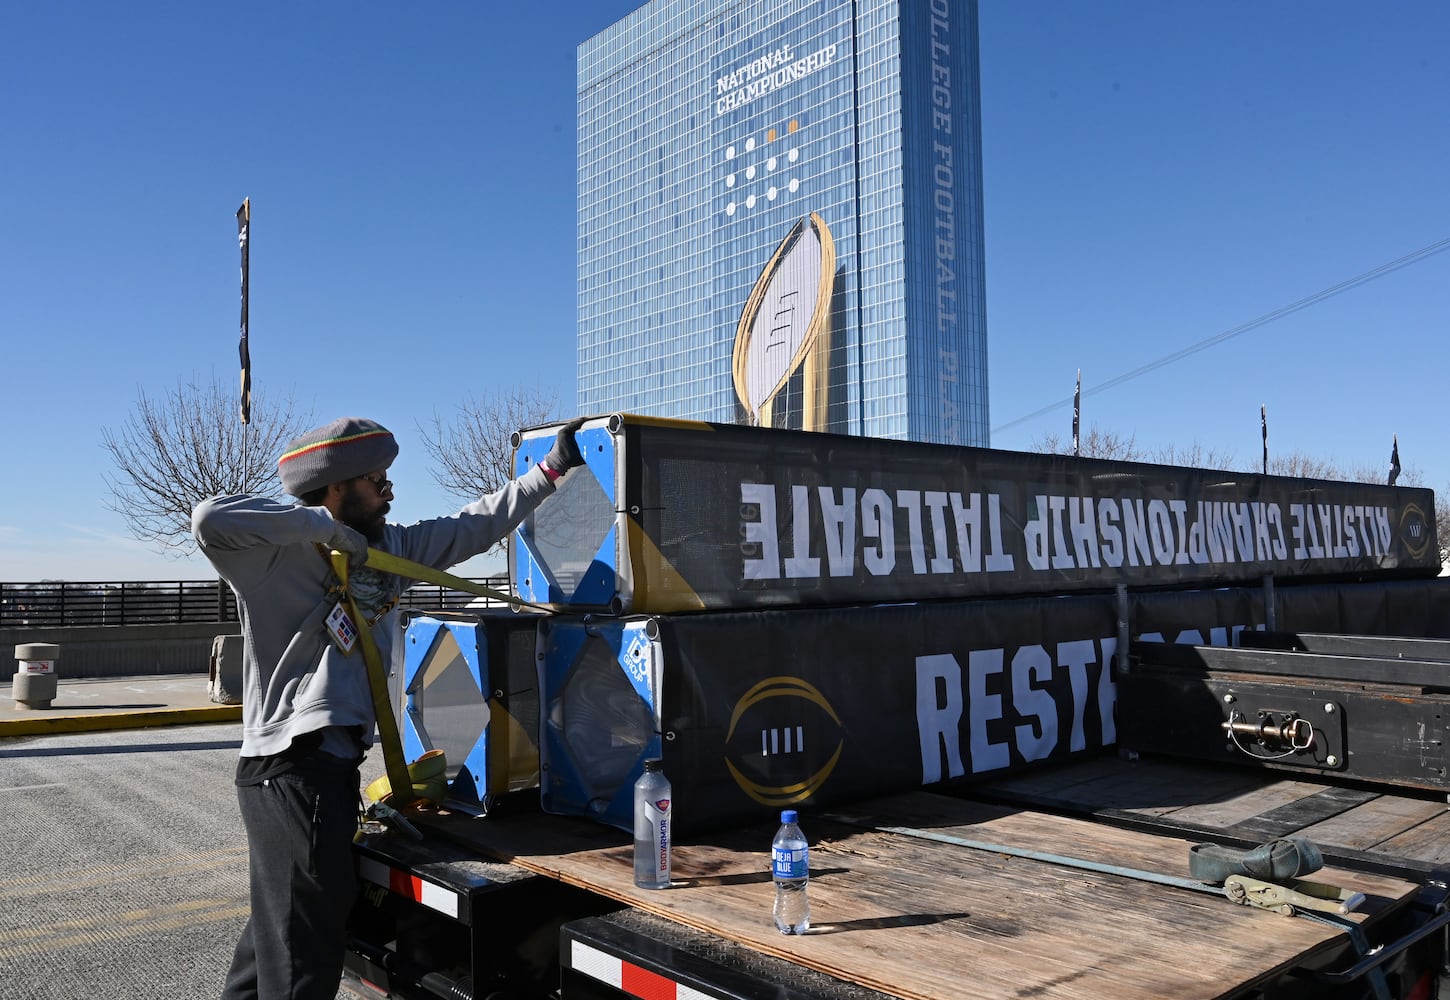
[{"x": 307, "y": 713}]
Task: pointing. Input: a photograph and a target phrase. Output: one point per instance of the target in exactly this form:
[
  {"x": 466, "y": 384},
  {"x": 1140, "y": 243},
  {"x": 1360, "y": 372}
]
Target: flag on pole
[
  {"x": 1395, "y": 460},
  {"x": 1076, "y": 409},
  {"x": 244, "y": 225},
  {"x": 1264, "y": 420}
]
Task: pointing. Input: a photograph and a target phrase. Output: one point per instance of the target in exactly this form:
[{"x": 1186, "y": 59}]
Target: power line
[{"x": 1203, "y": 345}]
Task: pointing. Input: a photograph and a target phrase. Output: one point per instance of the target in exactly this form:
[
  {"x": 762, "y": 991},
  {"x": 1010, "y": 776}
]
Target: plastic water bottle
[
  {"x": 652, "y": 827},
  {"x": 790, "y": 866}
]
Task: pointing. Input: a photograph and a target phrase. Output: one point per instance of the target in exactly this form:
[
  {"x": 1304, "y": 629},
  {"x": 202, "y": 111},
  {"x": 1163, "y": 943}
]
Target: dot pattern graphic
[{"x": 757, "y": 173}]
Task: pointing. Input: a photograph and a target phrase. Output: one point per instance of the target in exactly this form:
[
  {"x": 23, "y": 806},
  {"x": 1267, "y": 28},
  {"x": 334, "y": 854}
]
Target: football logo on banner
[
  {"x": 772, "y": 737},
  {"x": 1415, "y": 530}
]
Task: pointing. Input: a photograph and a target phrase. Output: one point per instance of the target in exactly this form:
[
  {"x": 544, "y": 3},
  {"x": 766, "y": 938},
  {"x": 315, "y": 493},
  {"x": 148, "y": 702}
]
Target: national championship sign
[{"x": 674, "y": 515}]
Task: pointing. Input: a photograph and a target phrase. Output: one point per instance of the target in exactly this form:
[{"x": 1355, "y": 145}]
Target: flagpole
[
  {"x": 1076, "y": 408},
  {"x": 1264, "y": 421},
  {"x": 244, "y": 234}
]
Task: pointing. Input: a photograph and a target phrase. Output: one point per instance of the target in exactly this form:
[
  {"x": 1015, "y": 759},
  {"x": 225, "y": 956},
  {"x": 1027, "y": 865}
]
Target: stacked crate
[{"x": 791, "y": 618}]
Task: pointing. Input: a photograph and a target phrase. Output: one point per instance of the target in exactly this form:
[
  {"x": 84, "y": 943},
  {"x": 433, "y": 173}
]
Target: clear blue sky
[{"x": 1156, "y": 174}]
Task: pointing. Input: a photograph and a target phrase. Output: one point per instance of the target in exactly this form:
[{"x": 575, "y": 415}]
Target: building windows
[{"x": 674, "y": 235}]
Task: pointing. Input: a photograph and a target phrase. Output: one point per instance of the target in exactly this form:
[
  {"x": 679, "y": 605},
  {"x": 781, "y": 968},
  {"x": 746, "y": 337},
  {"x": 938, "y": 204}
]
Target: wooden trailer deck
[
  {"x": 1382, "y": 828},
  {"x": 918, "y": 918}
]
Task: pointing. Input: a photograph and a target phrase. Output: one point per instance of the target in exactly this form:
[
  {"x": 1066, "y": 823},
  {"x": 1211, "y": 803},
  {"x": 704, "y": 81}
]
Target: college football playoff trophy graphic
[{"x": 783, "y": 342}]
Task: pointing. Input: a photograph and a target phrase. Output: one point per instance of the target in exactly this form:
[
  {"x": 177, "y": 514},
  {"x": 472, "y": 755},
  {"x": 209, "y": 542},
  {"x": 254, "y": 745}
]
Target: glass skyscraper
[{"x": 780, "y": 216}]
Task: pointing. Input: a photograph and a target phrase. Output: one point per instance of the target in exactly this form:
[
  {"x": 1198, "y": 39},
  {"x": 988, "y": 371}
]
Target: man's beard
[{"x": 355, "y": 515}]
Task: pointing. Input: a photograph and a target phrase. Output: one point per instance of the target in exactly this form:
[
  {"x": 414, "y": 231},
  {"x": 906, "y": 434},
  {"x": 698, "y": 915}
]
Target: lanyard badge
[{"x": 341, "y": 630}]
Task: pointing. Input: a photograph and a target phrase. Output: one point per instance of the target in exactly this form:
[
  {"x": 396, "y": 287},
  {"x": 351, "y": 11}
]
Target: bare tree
[
  {"x": 174, "y": 451},
  {"x": 1194, "y": 456},
  {"x": 1098, "y": 443},
  {"x": 473, "y": 454},
  {"x": 1442, "y": 524},
  {"x": 1304, "y": 466}
]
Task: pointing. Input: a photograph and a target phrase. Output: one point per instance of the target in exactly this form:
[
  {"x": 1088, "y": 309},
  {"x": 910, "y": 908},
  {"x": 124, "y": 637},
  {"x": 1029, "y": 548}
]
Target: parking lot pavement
[
  {"x": 85, "y": 705},
  {"x": 124, "y": 870}
]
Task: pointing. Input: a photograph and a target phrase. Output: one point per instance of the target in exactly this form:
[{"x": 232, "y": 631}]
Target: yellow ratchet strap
[
  {"x": 397, "y": 768},
  {"x": 386, "y": 562}
]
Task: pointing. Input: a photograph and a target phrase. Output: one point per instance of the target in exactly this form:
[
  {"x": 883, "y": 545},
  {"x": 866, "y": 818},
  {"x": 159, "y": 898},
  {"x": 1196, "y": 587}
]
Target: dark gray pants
[{"x": 300, "y": 826}]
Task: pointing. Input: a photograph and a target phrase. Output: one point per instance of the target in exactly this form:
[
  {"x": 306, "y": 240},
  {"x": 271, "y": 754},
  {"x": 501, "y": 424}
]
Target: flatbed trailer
[
  {"x": 924, "y": 650},
  {"x": 1061, "y": 879},
  {"x": 924, "y": 895}
]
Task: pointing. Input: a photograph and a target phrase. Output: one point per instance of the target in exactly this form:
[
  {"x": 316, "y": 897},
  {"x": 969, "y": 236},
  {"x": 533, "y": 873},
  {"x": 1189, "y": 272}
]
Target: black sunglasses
[{"x": 380, "y": 484}]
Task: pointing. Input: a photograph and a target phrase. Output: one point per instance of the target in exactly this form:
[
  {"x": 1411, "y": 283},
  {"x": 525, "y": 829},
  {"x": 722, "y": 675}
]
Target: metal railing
[
  {"x": 62, "y": 604},
  {"x": 432, "y": 597}
]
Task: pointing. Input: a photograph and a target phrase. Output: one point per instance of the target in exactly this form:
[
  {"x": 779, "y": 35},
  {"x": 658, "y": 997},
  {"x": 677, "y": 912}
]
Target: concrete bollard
[
  {"x": 35, "y": 683},
  {"x": 224, "y": 672}
]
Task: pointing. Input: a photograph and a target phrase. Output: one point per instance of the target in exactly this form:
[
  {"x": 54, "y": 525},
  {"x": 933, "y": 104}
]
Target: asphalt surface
[
  {"x": 108, "y": 704},
  {"x": 123, "y": 865}
]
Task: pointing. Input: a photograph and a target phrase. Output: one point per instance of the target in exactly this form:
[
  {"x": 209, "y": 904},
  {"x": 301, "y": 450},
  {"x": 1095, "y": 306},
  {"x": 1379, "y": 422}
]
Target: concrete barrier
[
  {"x": 125, "y": 650},
  {"x": 35, "y": 676},
  {"x": 224, "y": 673}
]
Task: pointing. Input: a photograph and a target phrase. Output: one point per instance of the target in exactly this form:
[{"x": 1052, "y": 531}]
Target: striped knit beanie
[{"x": 344, "y": 449}]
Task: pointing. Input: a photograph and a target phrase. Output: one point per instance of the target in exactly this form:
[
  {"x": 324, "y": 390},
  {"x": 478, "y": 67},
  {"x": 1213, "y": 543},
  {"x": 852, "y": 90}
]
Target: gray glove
[
  {"x": 345, "y": 539},
  {"x": 565, "y": 453}
]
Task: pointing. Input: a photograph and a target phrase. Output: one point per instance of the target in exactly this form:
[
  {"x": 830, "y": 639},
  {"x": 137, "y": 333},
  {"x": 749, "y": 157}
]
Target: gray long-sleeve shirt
[{"x": 294, "y": 681}]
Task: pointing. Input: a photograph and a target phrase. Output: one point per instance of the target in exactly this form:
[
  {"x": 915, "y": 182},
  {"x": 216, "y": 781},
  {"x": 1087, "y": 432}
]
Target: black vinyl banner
[
  {"x": 802, "y": 708},
  {"x": 1419, "y": 609},
  {"x": 772, "y": 709},
  {"x": 792, "y": 708},
  {"x": 748, "y": 517}
]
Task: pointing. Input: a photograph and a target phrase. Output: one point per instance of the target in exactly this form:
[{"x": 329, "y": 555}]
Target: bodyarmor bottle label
[{"x": 659, "y": 819}]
